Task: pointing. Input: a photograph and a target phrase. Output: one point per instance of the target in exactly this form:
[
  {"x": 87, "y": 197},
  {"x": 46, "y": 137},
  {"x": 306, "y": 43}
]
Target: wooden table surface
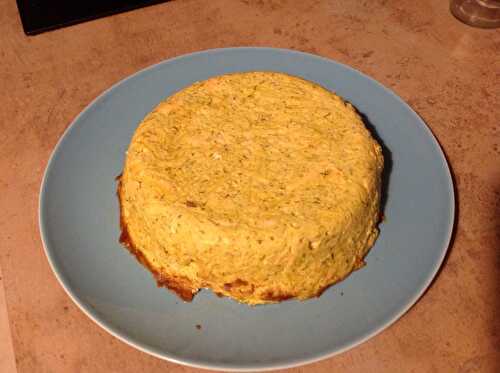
[{"x": 448, "y": 72}]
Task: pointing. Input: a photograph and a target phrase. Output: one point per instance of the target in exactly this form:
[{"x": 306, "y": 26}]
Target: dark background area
[{"x": 42, "y": 15}]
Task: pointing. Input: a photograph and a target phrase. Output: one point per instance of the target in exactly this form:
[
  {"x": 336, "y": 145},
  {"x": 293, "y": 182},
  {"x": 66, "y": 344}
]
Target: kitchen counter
[{"x": 448, "y": 72}]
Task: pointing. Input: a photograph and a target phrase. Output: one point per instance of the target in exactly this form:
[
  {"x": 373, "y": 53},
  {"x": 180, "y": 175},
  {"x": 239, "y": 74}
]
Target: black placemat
[{"x": 42, "y": 15}]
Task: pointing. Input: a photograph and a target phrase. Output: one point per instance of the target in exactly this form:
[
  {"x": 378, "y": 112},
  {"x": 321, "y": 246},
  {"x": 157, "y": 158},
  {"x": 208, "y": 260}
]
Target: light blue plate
[{"x": 79, "y": 227}]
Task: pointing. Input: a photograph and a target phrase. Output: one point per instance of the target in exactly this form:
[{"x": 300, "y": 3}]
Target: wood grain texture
[
  {"x": 448, "y": 72},
  {"x": 7, "y": 359}
]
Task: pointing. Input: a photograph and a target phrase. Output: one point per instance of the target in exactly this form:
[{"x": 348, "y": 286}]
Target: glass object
[{"x": 478, "y": 13}]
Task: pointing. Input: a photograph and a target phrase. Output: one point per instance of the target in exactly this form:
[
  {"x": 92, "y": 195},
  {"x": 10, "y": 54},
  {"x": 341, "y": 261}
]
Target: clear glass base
[{"x": 477, "y": 13}]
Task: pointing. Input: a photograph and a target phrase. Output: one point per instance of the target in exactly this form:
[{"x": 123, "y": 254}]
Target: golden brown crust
[
  {"x": 176, "y": 284},
  {"x": 236, "y": 283},
  {"x": 276, "y": 297}
]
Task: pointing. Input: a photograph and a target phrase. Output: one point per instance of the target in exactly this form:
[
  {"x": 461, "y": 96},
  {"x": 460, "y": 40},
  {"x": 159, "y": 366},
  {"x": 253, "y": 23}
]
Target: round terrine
[{"x": 260, "y": 186}]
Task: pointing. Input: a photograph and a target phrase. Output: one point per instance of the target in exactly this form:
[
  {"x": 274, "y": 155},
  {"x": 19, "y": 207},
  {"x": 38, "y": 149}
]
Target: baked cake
[{"x": 260, "y": 186}]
